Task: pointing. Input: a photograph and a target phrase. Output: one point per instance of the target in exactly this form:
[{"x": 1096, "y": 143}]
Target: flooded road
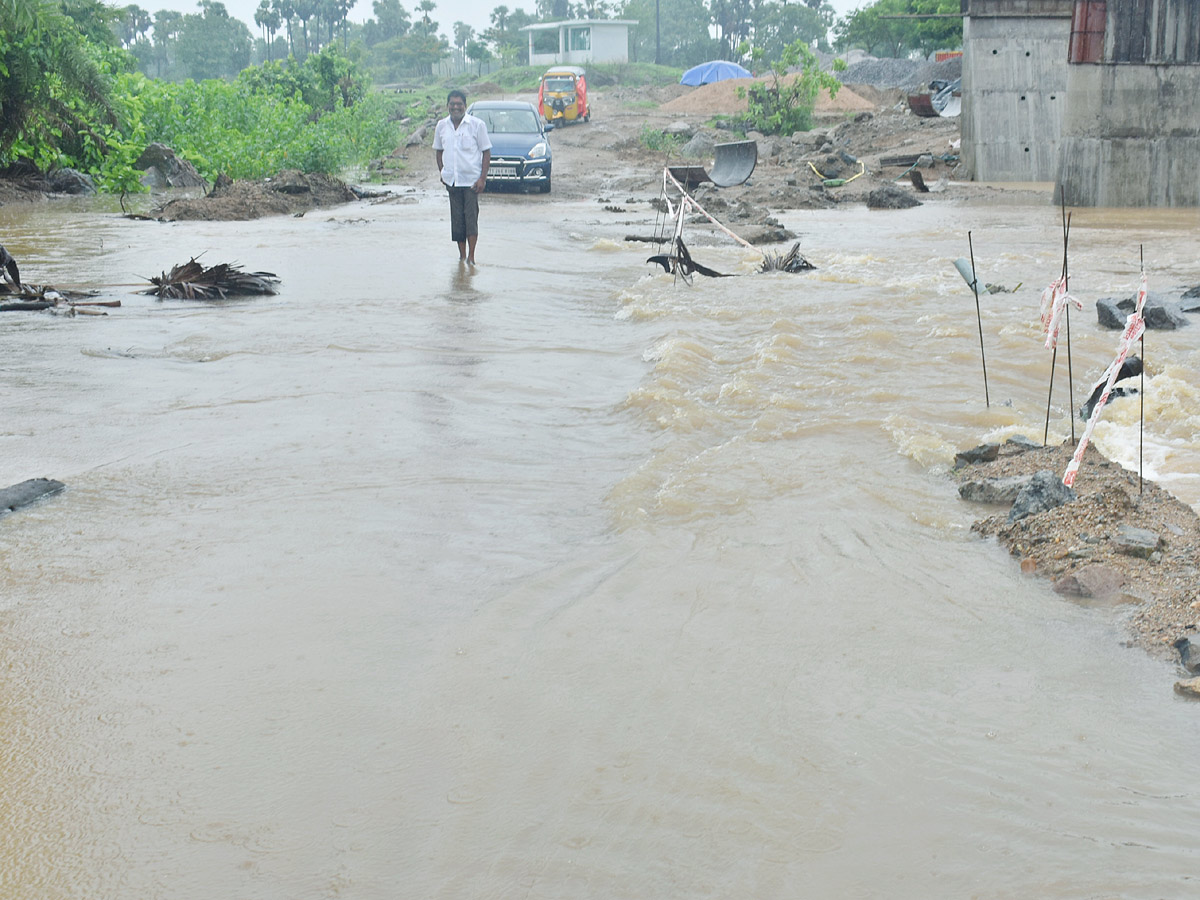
[{"x": 559, "y": 579}]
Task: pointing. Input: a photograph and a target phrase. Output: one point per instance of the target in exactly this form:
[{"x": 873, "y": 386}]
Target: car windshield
[
  {"x": 562, "y": 83},
  {"x": 509, "y": 121}
]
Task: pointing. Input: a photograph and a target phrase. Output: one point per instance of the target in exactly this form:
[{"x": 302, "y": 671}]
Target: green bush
[
  {"x": 659, "y": 141},
  {"x": 784, "y": 105},
  {"x": 250, "y": 128}
]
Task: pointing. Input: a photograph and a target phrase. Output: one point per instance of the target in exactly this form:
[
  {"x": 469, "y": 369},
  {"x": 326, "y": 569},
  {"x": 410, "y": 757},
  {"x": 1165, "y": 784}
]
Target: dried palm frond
[
  {"x": 791, "y": 261},
  {"x": 192, "y": 281}
]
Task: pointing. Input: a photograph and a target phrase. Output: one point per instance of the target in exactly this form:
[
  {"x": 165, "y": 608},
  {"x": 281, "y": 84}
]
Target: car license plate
[{"x": 502, "y": 170}]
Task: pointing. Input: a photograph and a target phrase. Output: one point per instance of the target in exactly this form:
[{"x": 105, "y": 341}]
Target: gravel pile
[{"x": 907, "y": 74}]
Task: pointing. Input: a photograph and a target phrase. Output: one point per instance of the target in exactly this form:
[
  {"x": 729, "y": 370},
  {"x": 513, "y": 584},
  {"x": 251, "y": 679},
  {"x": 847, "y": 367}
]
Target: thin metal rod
[
  {"x": 1053, "y": 360},
  {"x": 979, "y": 318},
  {"x": 1066, "y": 286}
]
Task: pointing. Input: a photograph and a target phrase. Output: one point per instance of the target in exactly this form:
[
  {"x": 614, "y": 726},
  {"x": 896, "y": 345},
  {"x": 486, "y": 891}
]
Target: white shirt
[{"x": 462, "y": 149}]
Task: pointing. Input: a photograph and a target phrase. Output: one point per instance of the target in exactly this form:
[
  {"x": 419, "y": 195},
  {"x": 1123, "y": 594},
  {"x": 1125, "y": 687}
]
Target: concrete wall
[
  {"x": 1014, "y": 94},
  {"x": 1131, "y": 137},
  {"x": 610, "y": 43}
]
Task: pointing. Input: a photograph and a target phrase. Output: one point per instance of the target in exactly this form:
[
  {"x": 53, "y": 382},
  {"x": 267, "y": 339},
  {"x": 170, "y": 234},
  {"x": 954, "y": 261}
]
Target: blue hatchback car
[{"x": 520, "y": 149}]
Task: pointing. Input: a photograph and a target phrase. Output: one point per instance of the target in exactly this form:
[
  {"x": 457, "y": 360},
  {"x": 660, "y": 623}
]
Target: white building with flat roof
[{"x": 579, "y": 41}]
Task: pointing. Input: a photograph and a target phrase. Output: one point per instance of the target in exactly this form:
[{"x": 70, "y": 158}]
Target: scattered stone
[
  {"x": 70, "y": 181},
  {"x": 764, "y": 234},
  {"x": 982, "y": 453},
  {"x": 1164, "y": 316},
  {"x": 700, "y": 145},
  {"x": 889, "y": 196},
  {"x": 1189, "y": 654},
  {"x": 1090, "y": 581},
  {"x": 1137, "y": 542},
  {"x": 166, "y": 170},
  {"x": 417, "y": 137},
  {"x": 1025, "y": 443},
  {"x": 994, "y": 490},
  {"x": 27, "y": 492},
  {"x": 1109, "y": 315},
  {"x": 1189, "y": 687},
  {"x": 1045, "y": 491},
  {"x": 680, "y": 128},
  {"x": 1160, "y": 313}
]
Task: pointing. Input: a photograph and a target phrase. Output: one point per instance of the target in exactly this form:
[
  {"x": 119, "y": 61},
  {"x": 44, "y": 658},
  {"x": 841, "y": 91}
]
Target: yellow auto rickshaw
[{"x": 562, "y": 96}]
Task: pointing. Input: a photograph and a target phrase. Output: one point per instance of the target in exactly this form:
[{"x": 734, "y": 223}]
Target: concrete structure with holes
[
  {"x": 1131, "y": 137},
  {"x": 1014, "y": 87}
]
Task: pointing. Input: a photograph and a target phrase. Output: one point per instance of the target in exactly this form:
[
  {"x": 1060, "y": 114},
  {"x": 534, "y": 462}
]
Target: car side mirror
[{"x": 549, "y": 126}]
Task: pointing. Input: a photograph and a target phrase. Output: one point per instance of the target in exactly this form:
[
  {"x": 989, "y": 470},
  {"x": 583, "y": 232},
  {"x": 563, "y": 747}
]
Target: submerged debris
[
  {"x": 192, "y": 281},
  {"x": 791, "y": 261},
  {"x": 681, "y": 263}
]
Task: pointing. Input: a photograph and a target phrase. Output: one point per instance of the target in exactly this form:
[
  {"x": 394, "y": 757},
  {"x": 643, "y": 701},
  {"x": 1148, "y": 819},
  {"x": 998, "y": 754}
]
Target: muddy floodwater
[{"x": 559, "y": 579}]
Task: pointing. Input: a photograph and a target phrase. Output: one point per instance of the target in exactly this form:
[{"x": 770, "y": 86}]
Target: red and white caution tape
[
  {"x": 1054, "y": 303},
  {"x": 1135, "y": 325}
]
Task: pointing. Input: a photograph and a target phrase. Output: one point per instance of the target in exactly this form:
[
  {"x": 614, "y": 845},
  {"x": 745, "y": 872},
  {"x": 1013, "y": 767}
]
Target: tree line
[
  {"x": 87, "y": 85},
  {"x": 400, "y": 42}
]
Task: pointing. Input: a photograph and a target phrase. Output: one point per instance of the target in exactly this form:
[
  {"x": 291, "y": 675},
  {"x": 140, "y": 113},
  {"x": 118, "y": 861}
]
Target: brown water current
[{"x": 560, "y": 579}]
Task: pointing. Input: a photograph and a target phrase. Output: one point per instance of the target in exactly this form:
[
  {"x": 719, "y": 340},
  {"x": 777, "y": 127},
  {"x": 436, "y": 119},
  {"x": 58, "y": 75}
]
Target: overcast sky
[{"x": 473, "y": 12}]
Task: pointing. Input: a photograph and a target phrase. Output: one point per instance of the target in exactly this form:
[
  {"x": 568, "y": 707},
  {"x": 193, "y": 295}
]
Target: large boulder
[
  {"x": 1160, "y": 312},
  {"x": 889, "y": 196},
  {"x": 1045, "y": 491},
  {"x": 70, "y": 181},
  {"x": 701, "y": 145},
  {"x": 166, "y": 170}
]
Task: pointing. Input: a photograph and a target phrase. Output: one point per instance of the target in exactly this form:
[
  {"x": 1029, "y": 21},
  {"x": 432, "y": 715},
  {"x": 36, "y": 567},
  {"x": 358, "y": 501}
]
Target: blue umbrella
[{"x": 713, "y": 70}]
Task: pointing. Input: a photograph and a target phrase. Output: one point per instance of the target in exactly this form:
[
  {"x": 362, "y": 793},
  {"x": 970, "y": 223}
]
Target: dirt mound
[
  {"x": 906, "y": 74},
  {"x": 721, "y": 98},
  {"x": 290, "y": 191}
]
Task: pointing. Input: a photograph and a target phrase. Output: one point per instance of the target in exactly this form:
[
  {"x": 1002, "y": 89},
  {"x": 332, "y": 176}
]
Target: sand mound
[{"x": 721, "y": 98}]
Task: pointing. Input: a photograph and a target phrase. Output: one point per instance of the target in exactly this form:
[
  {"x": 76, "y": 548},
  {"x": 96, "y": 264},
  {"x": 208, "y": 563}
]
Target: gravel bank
[{"x": 1077, "y": 545}]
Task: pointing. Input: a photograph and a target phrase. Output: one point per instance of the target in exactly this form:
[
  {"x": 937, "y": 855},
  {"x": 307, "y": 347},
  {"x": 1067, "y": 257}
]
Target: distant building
[
  {"x": 1014, "y": 87},
  {"x": 579, "y": 41},
  {"x": 1131, "y": 136}
]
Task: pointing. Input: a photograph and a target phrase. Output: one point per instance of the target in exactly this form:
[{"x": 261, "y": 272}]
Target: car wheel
[{"x": 545, "y": 188}]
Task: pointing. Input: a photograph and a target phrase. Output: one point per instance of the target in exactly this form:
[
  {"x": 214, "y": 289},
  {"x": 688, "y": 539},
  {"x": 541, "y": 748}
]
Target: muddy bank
[
  {"x": 1084, "y": 547},
  {"x": 290, "y": 192}
]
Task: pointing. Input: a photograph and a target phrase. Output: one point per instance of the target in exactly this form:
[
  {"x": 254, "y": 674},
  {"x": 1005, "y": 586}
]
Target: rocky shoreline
[{"x": 1115, "y": 540}]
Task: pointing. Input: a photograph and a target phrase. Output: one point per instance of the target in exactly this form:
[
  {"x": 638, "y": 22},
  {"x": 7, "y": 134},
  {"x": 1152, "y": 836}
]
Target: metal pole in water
[
  {"x": 1142, "y": 386},
  {"x": 1067, "y": 310},
  {"x": 967, "y": 271}
]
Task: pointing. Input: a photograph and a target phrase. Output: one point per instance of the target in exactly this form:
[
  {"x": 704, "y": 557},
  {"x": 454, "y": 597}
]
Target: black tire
[{"x": 545, "y": 188}]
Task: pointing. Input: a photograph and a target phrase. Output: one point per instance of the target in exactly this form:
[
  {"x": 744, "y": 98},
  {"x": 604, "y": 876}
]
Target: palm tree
[
  {"x": 167, "y": 23},
  {"x": 344, "y": 7},
  {"x": 43, "y": 39},
  {"x": 260, "y": 19},
  {"x": 305, "y": 10},
  {"x": 426, "y": 7},
  {"x": 286, "y": 10},
  {"x": 462, "y": 33}
]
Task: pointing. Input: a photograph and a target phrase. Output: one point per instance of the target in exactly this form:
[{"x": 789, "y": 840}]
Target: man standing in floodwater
[{"x": 463, "y": 152}]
